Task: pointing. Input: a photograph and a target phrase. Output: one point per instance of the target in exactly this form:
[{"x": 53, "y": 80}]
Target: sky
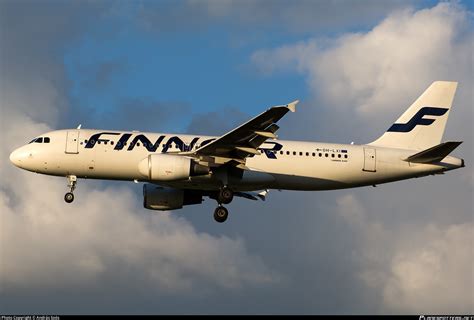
[{"x": 204, "y": 67}]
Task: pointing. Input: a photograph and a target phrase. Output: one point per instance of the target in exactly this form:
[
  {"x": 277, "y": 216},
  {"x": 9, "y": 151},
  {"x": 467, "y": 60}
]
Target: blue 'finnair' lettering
[
  {"x": 123, "y": 141},
  {"x": 418, "y": 119}
]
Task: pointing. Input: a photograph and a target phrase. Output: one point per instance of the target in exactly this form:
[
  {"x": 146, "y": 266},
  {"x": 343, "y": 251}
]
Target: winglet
[{"x": 292, "y": 105}]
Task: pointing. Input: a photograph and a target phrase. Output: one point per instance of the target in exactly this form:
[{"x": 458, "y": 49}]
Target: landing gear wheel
[
  {"x": 71, "y": 183},
  {"x": 225, "y": 195},
  {"x": 69, "y": 197},
  {"x": 221, "y": 214}
]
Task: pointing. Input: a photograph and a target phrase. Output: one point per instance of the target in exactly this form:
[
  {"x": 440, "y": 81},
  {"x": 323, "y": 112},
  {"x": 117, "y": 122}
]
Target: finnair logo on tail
[{"x": 418, "y": 119}]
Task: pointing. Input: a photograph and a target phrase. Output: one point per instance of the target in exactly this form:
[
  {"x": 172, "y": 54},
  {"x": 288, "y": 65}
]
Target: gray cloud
[
  {"x": 144, "y": 114},
  {"x": 408, "y": 235},
  {"x": 59, "y": 258},
  {"x": 33, "y": 38},
  {"x": 306, "y": 16},
  {"x": 99, "y": 76},
  {"x": 368, "y": 75},
  {"x": 417, "y": 269},
  {"x": 328, "y": 252},
  {"x": 216, "y": 122}
]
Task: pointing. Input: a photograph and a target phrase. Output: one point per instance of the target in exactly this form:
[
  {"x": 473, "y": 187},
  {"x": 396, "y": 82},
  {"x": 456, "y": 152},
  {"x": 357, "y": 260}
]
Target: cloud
[
  {"x": 370, "y": 71},
  {"x": 100, "y": 75},
  {"x": 216, "y": 122},
  {"x": 363, "y": 81},
  {"x": 31, "y": 51},
  {"x": 143, "y": 114},
  {"x": 432, "y": 273},
  {"x": 292, "y": 16},
  {"x": 390, "y": 249},
  {"x": 64, "y": 245},
  {"x": 417, "y": 269},
  {"x": 103, "y": 239}
]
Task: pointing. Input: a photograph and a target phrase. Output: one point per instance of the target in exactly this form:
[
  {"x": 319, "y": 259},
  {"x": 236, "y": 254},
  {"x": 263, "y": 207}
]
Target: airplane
[{"x": 248, "y": 161}]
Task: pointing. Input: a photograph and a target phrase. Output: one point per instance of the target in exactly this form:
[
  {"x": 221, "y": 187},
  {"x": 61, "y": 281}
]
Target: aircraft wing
[{"x": 244, "y": 141}]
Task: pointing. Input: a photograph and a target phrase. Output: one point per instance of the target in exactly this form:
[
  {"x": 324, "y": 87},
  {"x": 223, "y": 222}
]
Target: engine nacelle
[
  {"x": 166, "y": 167},
  {"x": 160, "y": 198}
]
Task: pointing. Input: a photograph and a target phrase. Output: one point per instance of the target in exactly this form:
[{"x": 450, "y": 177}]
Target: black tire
[
  {"x": 69, "y": 197},
  {"x": 225, "y": 195},
  {"x": 221, "y": 214}
]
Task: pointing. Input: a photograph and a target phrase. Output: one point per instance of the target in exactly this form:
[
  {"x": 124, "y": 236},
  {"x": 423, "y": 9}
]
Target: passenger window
[
  {"x": 281, "y": 152},
  {"x": 85, "y": 141},
  {"x": 46, "y": 140},
  {"x": 39, "y": 140},
  {"x": 98, "y": 141},
  {"x": 301, "y": 153},
  {"x": 332, "y": 155},
  {"x": 345, "y": 156},
  {"x": 326, "y": 155},
  {"x": 320, "y": 154},
  {"x": 288, "y": 152},
  {"x": 294, "y": 153},
  {"x": 138, "y": 144},
  {"x": 111, "y": 142},
  {"x": 314, "y": 154},
  {"x": 105, "y": 142},
  {"x": 307, "y": 153}
]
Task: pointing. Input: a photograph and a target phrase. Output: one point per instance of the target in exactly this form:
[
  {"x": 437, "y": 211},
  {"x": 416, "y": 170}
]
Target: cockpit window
[{"x": 40, "y": 140}]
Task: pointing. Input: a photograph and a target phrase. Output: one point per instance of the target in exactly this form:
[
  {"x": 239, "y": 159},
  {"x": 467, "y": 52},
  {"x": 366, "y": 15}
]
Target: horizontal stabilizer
[{"x": 434, "y": 154}]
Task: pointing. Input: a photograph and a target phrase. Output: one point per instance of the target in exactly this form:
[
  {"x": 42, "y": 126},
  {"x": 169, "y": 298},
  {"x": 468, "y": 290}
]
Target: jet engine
[
  {"x": 166, "y": 167},
  {"x": 160, "y": 198}
]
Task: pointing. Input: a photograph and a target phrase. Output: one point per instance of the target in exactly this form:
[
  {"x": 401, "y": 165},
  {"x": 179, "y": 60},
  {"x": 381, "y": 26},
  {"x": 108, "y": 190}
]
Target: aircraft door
[
  {"x": 369, "y": 159},
  {"x": 72, "y": 142}
]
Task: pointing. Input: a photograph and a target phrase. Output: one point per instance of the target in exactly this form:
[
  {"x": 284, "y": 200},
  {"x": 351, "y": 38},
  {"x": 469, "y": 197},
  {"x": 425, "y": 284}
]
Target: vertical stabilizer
[{"x": 422, "y": 125}]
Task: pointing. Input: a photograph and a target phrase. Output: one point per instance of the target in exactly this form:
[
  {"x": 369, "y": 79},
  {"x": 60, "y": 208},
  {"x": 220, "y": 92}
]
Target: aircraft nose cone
[{"x": 15, "y": 158}]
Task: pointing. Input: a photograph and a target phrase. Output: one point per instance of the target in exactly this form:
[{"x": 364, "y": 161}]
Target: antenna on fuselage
[{"x": 79, "y": 126}]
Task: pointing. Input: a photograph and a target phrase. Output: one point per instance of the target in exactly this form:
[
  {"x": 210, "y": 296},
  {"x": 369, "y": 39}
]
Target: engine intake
[
  {"x": 160, "y": 198},
  {"x": 166, "y": 167}
]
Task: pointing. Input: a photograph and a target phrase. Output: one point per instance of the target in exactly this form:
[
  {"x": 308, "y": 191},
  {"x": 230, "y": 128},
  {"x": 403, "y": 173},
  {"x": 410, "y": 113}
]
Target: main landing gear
[
  {"x": 224, "y": 196},
  {"x": 221, "y": 214},
  {"x": 71, "y": 183}
]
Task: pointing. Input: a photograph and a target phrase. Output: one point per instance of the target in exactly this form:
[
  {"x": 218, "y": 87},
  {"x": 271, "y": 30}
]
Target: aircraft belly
[{"x": 305, "y": 173}]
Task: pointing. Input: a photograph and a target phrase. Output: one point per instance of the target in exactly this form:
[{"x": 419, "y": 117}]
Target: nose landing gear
[{"x": 71, "y": 183}]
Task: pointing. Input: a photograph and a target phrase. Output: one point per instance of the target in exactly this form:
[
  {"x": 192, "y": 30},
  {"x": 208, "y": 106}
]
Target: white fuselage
[{"x": 289, "y": 165}]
